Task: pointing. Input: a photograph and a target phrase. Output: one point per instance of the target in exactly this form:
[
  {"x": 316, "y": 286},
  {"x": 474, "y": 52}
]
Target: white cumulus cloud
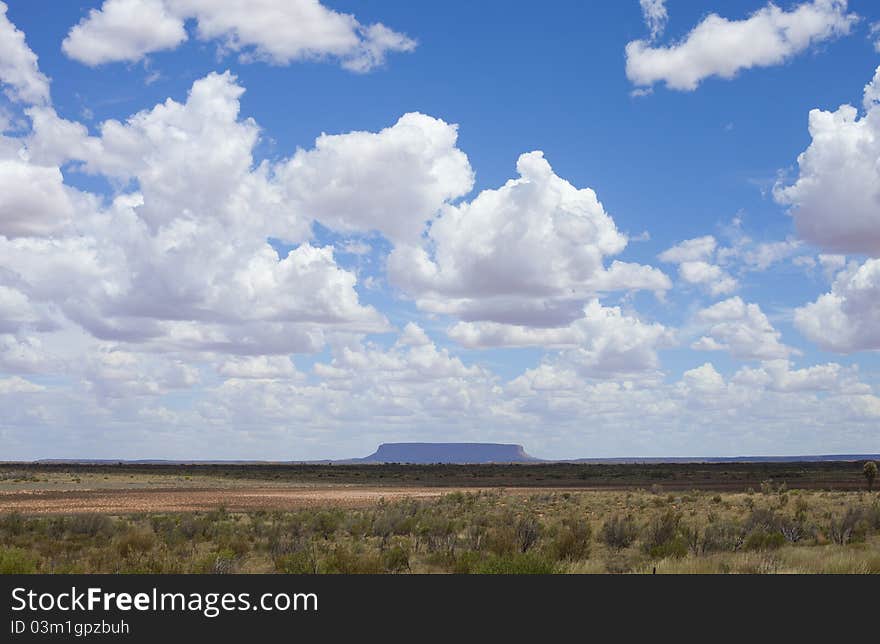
[
  {"x": 835, "y": 200},
  {"x": 275, "y": 31},
  {"x": 695, "y": 259},
  {"x": 183, "y": 261},
  {"x": 124, "y": 30},
  {"x": 33, "y": 199},
  {"x": 721, "y": 47},
  {"x": 740, "y": 328},
  {"x": 392, "y": 181},
  {"x": 603, "y": 341},
  {"x": 529, "y": 253},
  {"x": 18, "y": 65},
  {"x": 846, "y": 319}
]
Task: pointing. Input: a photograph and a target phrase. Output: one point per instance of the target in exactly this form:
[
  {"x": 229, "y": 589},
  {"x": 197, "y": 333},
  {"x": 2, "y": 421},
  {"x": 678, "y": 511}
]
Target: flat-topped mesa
[{"x": 449, "y": 453}]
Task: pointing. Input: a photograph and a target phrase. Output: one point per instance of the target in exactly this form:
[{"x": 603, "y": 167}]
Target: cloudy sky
[{"x": 295, "y": 230}]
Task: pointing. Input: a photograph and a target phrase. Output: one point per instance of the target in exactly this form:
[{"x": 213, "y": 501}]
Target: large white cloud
[
  {"x": 33, "y": 199},
  {"x": 185, "y": 258},
  {"x": 277, "y": 31},
  {"x": 530, "y": 253},
  {"x": 392, "y": 181},
  {"x": 835, "y": 200},
  {"x": 604, "y": 341},
  {"x": 18, "y": 65},
  {"x": 740, "y": 328},
  {"x": 124, "y": 30},
  {"x": 721, "y": 47},
  {"x": 846, "y": 319}
]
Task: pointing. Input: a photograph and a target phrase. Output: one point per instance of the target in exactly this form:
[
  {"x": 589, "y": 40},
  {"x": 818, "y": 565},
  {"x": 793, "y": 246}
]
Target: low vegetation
[
  {"x": 726, "y": 477},
  {"x": 773, "y": 530}
]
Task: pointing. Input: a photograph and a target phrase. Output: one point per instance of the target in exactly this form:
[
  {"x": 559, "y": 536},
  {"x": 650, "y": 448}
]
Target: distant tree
[{"x": 870, "y": 472}]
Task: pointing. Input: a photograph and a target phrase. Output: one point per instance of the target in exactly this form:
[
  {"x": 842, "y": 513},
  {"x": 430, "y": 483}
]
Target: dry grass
[{"x": 776, "y": 531}]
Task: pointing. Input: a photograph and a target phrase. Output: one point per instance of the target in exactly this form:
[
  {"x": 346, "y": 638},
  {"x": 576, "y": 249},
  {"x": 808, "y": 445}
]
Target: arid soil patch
[{"x": 187, "y": 500}]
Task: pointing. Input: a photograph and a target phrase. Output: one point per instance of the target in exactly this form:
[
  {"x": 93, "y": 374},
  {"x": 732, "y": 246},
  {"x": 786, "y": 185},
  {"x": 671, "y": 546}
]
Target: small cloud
[
  {"x": 654, "y": 13},
  {"x": 371, "y": 283},
  {"x": 805, "y": 261},
  {"x": 356, "y": 248}
]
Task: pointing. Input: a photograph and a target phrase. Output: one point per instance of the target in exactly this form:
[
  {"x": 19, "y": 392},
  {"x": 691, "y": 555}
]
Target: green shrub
[
  {"x": 204, "y": 564},
  {"x": 762, "y": 540},
  {"x": 851, "y": 527},
  {"x": 326, "y": 523},
  {"x": 663, "y": 529},
  {"x": 135, "y": 542},
  {"x": 192, "y": 527},
  {"x": 501, "y": 540},
  {"x": 528, "y": 563},
  {"x": 619, "y": 532},
  {"x": 396, "y": 559},
  {"x": 15, "y": 561},
  {"x": 438, "y": 532},
  {"x": 762, "y": 520},
  {"x": 722, "y": 536},
  {"x": 465, "y": 563},
  {"x": 663, "y": 537},
  {"x": 872, "y": 515},
  {"x": 572, "y": 540},
  {"x": 92, "y": 525},
  {"x": 793, "y": 530},
  {"x": 297, "y": 563},
  {"x": 238, "y": 544},
  {"x": 224, "y": 562},
  {"x": 12, "y": 524},
  {"x": 345, "y": 561},
  {"x": 618, "y": 565},
  {"x": 676, "y": 548},
  {"x": 527, "y": 532}
]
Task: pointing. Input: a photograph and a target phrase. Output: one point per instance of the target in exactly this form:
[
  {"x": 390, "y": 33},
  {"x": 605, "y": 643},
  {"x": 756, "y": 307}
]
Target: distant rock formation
[{"x": 449, "y": 453}]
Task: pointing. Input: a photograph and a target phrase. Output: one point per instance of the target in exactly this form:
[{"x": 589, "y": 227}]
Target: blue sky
[{"x": 414, "y": 294}]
